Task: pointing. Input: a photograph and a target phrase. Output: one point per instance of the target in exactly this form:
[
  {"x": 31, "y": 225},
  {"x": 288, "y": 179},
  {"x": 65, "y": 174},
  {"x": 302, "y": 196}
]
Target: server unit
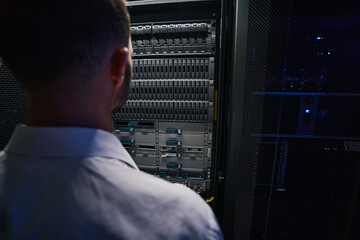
[{"x": 168, "y": 123}]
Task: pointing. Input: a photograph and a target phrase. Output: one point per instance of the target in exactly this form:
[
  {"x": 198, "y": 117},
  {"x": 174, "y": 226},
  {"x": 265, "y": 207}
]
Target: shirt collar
[{"x": 64, "y": 142}]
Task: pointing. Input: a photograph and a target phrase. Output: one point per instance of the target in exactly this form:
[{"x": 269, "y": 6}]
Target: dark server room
[{"x": 254, "y": 105}]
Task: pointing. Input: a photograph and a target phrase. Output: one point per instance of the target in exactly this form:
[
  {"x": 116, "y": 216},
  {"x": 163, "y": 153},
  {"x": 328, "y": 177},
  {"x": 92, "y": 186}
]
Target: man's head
[{"x": 74, "y": 46}]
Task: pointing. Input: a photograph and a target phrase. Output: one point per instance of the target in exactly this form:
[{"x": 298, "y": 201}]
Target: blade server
[{"x": 167, "y": 123}]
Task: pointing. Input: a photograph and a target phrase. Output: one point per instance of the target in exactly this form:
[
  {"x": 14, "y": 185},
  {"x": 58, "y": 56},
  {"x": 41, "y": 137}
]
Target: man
[{"x": 64, "y": 175}]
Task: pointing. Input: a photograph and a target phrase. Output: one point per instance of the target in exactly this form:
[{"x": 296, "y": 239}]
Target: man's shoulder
[
  {"x": 166, "y": 205},
  {"x": 149, "y": 185},
  {"x": 177, "y": 205},
  {"x": 143, "y": 187},
  {"x": 141, "y": 182}
]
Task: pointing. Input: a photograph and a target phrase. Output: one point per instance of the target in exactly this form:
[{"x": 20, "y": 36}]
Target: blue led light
[
  {"x": 307, "y": 111},
  {"x": 281, "y": 189},
  {"x": 318, "y": 38}
]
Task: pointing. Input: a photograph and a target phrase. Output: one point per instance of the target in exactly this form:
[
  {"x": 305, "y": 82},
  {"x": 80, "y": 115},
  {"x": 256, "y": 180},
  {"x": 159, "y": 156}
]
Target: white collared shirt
[{"x": 80, "y": 183}]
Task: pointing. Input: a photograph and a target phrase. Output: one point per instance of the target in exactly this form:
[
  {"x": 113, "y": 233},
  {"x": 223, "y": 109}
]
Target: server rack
[
  {"x": 169, "y": 124},
  {"x": 294, "y": 140}
]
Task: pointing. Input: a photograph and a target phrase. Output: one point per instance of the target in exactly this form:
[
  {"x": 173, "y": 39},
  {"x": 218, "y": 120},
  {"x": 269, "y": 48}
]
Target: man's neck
[
  {"x": 61, "y": 120},
  {"x": 69, "y": 113}
]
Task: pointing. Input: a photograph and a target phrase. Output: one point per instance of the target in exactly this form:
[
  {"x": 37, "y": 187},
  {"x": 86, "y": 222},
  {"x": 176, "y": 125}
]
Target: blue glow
[
  {"x": 307, "y": 111},
  {"x": 318, "y": 38},
  {"x": 281, "y": 189}
]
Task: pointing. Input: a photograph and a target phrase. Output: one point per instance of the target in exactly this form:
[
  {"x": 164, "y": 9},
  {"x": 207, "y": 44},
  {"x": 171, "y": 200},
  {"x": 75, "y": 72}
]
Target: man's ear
[{"x": 118, "y": 63}]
